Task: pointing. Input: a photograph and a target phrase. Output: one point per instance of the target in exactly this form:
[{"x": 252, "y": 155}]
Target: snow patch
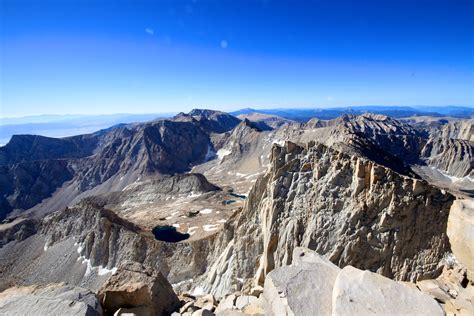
[
  {"x": 453, "y": 178},
  {"x": 221, "y": 153},
  {"x": 89, "y": 266},
  {"x": 45, "y": 247},
  {"x": 192, "y": 194},
  {"x": 191, "y": 230},
  {"x": 182, "y": 282},
  {"x": 176, "y": 225},
  {"x": 198, "y": 291},
  {"x": 104, "y": 271},
  {"x": 206, "y": 211},
  {"x": 210, "y": 227}
]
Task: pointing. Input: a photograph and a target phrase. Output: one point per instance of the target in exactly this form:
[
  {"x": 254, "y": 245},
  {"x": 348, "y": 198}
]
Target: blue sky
[{"x": 94, "y": 57}]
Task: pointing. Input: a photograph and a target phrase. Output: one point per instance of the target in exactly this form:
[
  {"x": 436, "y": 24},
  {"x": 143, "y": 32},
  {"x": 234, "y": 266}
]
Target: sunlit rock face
[{"x": 347, "y": 208}]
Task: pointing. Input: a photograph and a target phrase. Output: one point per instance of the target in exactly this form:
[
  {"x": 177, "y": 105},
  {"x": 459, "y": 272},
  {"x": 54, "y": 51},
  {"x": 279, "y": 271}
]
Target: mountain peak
[{"x": 207, "y": 113}]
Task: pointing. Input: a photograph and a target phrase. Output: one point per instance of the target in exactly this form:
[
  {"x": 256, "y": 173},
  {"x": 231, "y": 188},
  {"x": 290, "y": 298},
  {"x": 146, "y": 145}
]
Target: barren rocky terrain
[{"x": 207, "y": 213}]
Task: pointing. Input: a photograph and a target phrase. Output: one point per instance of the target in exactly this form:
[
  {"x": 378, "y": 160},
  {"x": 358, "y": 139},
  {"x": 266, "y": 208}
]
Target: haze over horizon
[{"x": 104, "y": 57}]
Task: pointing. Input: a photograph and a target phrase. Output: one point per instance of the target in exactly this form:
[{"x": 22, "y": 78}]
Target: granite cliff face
[{"x": 349, "y": 209}]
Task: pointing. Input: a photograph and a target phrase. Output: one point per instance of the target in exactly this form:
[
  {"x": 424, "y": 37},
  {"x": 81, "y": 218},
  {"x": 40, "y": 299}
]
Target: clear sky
[{"x": 78, "y": 56}]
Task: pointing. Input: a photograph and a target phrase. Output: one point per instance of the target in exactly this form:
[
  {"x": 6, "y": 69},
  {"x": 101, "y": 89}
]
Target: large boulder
[
  {"x": 461, "y": 233},
  {"x": 135, "y": 286},
  {"x": 52, "y": 299},
  {"x": 358, "y": 292},
  {"x": 304, "y": 288}
]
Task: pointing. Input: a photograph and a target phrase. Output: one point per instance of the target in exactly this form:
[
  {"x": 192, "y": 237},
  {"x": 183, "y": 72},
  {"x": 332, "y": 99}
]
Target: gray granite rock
[
  {"x": 53, "y": 299},
  {"x": 301, "y": 289},
  {"x": 359, "y": 292}
]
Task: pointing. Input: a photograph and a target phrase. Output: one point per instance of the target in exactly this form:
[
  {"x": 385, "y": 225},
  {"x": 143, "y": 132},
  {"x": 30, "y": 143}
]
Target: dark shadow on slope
[{"x": 168, "y": 234}]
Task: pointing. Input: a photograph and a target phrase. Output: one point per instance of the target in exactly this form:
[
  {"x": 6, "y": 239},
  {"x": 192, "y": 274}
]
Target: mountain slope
[{"x": 105, "y": 161}]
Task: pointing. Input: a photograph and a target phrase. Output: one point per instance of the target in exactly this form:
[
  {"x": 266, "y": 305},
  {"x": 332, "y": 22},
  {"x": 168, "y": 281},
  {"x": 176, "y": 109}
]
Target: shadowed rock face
[
  {"x": 23, "y": 185},
  {"x": 23, "y": 148}
]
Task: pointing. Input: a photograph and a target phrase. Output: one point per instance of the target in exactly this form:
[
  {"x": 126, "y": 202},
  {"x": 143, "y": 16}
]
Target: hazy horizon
[{"x": 171, "y": 113}]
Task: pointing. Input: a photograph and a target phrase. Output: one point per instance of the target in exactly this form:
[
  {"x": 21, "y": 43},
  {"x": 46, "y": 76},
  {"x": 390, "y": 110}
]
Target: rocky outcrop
[
  {"x": 460, "y": 231},
  {"x": 210, "y": 120},
  {"x": 303, "y": 288},
  {"x": 53, "y": 299},
  {"x": 17, "y": 230},
  {"x": 452, "y": 156},
  {"x": 134, "y": 286},
  {"x": 359, "y": 292},
  {"x": 265, "y": 121},
  {"x": 453, "y": 289},
  {"x": 372, "y": 228},
  {"x": 462, "y": 129},
  {"x": 314, "y": 286},
  {"x": 401, "y": 146},
  {"x": 349, "y": 209}
]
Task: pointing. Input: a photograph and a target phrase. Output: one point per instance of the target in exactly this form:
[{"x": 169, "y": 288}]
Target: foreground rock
[
  {"x": 302, "y": 288},
  {"x": 314, "y": 286},
  {"x": 53, "y": 299},
  {"x": 359, "y": 292},
  {"x": 461, "y": 233},
  {"x": 452, "y": 289},
  {"x": 133, "y": 286}
]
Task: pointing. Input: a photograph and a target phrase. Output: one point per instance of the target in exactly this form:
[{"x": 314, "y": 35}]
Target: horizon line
[{"x": 239, "y": 109}]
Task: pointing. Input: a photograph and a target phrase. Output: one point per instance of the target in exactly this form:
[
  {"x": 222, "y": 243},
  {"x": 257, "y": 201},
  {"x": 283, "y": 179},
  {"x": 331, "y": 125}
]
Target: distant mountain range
[
  {"x": 69, "y": 125},
  {"x": 304, "y": 114}
]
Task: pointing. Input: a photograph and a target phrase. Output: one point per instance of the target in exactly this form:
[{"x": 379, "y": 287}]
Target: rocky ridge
[
  {"x": 52, "y": 173},
  {"x": 349, "y": 209}
]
